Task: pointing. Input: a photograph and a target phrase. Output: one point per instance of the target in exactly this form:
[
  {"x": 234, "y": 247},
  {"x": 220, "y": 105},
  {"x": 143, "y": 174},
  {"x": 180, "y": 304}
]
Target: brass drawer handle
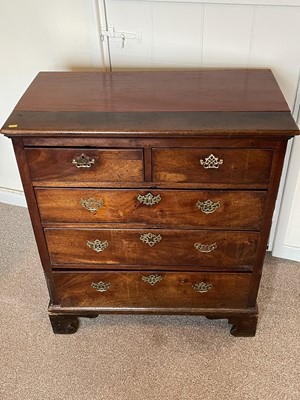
[
  {"x": 91, "y": 204},
  {"x": 211, "y": 162},
  {"x": 208, "y": 206},
  {"x": 150, "y": 238},
  {"x": 83, "y": 161},
  {"x": 101, "y": 286},
  {"x": 149, "y": 199},
  {"x": 205, "y": 248},
  {"x": 152, "y": 279},
  {"x": 97, "y": 245},
  {"x": 202, "y": 287}
]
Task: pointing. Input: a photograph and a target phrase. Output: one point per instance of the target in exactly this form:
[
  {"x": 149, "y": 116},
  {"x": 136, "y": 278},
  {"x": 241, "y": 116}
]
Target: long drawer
[
  {"x": 212, "y": 165},
  {"x": 120, "y": 247},
  {"x": 181, "y": 208},
  {"x": 76, "y": 165},
  {"x": 147, "y": 289}
]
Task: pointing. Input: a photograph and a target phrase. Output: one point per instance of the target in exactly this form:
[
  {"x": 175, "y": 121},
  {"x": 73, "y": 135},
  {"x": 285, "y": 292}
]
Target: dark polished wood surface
[
  {"x": 176, "y": 247},
  {"x": 150, "y": 124},
  {"x": 238, "y": 166},
  {"x": 205, "y": 90},
  {"x": 174, "y": 290},
  {"x": 207, "y": 102},
  {"x": 116, "y": 165},
  {"x": 237, "y": 209}
]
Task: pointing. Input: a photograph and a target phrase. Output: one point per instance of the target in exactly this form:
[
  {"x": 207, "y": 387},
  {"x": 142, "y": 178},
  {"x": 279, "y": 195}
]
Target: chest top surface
[{"x": 197, "y": 102}]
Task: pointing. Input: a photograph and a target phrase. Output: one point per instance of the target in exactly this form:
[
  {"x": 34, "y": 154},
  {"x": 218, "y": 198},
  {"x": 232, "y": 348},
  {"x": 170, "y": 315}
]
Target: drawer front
[
  {"x": 212, "y": 165},
  {"x": 76, "y": 165},
  {"x": 190, "y": 208},
  {"x": 152, "y": 247},
  {"x": 148, "y": 289}
]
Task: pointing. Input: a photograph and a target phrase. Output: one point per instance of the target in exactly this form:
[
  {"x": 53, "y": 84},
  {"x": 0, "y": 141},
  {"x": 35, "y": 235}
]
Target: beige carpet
[{"x": 140, "y": 357}]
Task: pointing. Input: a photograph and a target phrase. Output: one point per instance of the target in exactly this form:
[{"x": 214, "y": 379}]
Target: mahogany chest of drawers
[{"x": 152, "y": 192}]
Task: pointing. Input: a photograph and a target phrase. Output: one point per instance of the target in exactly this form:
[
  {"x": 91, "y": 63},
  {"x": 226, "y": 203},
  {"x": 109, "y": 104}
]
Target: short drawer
[
  {"x": 157, "y": 247},
  {"x": 212, "y": 165},
  {"x": 184, "y": 208},
  {"x": 152, "y": 289},
  {"x": 76, "y": 165}
]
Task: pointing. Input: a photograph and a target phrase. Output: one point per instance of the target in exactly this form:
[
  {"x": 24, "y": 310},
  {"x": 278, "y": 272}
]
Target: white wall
[
  {"x": 199, "y": 34},
  {"x": 38, "y": 35}
]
